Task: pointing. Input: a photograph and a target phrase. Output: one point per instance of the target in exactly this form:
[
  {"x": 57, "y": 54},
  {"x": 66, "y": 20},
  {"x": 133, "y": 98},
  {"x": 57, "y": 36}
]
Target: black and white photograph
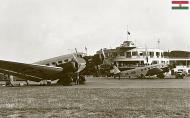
[{"x": 94, "y": 59}]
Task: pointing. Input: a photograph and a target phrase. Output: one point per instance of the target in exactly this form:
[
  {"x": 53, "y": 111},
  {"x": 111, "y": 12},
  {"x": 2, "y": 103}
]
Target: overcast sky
[{"x": 31, "y": 30}]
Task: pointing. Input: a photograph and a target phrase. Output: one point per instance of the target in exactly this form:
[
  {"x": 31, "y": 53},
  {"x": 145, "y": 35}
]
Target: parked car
[{"x": 180, "y": 74}]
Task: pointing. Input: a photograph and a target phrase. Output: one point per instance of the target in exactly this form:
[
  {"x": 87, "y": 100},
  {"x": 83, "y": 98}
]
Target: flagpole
[
  {"x": 86, "y": 50},
  {"x": 127, "y": 33}
]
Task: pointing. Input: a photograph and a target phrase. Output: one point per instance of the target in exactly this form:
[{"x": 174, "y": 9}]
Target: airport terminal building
[{"x": 127, "y": 56}]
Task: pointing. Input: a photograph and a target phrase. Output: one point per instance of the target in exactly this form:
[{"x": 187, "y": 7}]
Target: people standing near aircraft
[
  {"x": 116, "y": 71},
  {"x": 111, "y": 72}
]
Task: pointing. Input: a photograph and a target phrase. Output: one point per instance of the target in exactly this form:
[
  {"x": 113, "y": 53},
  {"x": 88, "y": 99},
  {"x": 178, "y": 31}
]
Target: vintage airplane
[
  {"x": 142, "y": 72},
  {"x": 65, "y": 69}
]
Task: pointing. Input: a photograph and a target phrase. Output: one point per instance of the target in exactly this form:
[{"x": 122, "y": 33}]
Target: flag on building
[
  {"x": 180, "y": 5},
  {"x": 85, "y": 49},
  {"x": 128, "y": 33}
]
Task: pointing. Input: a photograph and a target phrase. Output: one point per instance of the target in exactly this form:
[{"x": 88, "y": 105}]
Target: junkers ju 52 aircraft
[{"x": 72, "y": 68}]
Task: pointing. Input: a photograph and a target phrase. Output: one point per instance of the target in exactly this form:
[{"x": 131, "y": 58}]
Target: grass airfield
[{"x": 89, "y": 101}]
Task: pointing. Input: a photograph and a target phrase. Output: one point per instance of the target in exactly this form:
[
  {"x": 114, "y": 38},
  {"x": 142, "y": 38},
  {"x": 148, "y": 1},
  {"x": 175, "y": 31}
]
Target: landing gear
[
  {"x": 161, "y": 76},
  {"x": 43, "y": 83},
  {"x": 69, "y": 79},
  {"x": 141, "y": 76},
  {"x": 49, "y": 82},
  {"x": 9, "y": 81},
  {"x": 79, "y": 79},
  {"x": 27, "y": 83},
  {"x": 65, "y": 80}
]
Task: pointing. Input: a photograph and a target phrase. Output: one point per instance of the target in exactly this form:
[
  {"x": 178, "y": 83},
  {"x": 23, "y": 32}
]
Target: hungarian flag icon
[{"x": 183, "y": 5}]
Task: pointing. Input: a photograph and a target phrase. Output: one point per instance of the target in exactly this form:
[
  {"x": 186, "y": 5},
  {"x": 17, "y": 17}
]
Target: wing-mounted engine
[
  {"x": 98, "y": 59},
  {"x": 92, "y": 64},
  {"x": 66, "y": 76},
  {"x": 69, "y": 67}
]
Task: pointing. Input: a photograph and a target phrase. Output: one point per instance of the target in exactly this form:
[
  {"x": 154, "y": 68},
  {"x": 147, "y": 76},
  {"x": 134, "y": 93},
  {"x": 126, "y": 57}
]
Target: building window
[
  {"x": 151, "y": 54},
  {"x": 114, "y": 54},
  {"x": 128, "y": 54},
  {"x": 134, "y": 53},
  {"x": 122, "y": 54},
  {"x": 158, "y": 54},
  {"x": 106, "y": 54},
  {"x": 154, "y": 62},
  {"x": 162, "y": 55},
  {"x": 145, "y": 53}
]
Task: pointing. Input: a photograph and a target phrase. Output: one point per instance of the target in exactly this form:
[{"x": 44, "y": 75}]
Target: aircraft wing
[{"x": 30, "y": 70}]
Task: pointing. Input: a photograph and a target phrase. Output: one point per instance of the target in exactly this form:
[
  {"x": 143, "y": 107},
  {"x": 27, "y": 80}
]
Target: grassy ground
[{"x": 59, "y": 101}]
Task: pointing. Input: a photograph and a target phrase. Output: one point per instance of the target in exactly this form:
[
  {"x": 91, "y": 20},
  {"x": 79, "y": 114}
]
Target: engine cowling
[
  {"x": 98, "y": 59},
  {"x": 69, "y": 67}
]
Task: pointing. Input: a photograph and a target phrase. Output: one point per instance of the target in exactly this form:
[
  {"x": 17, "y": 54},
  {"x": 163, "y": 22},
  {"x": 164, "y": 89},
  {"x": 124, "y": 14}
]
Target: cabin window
[
  {"x": 47, "y": 64},
  {"x": 59, "y": 62},
  {"x": 66, "y": 60},
  {"x": 54, "y": 63}
]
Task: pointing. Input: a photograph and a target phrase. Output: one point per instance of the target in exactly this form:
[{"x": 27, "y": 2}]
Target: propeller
[{"x": 77, "y": 64}]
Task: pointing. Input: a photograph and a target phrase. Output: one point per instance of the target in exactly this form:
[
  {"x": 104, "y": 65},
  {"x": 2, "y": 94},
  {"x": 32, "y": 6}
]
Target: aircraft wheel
[
  {"x": 49, "y": 82},
  {"x": 7, "y": 83},
  {"x": 65, "y": 81},
  {"x": 161, "y": 76},
  {"x": 142, "y": 76},
  {"x": 82, "y": 79}
]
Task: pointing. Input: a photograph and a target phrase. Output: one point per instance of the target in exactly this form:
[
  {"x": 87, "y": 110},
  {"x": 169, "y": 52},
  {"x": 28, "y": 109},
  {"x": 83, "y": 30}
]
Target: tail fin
[{"x": 116, "y": 69}]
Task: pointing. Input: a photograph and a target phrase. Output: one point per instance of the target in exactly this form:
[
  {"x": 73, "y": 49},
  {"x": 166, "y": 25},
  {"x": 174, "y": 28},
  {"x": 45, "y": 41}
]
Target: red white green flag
[{"x": 183, "y": 5}]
